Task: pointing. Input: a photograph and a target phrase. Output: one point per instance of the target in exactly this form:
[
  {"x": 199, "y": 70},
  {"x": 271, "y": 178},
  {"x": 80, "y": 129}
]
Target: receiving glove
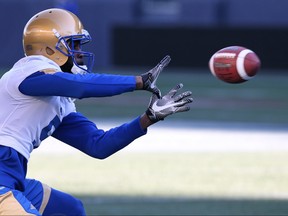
[
  {"x": 150, "y": 78},
  {"x": 169, "y": 104}
]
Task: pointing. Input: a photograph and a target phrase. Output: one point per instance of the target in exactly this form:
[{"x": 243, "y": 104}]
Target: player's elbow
[
  {"x": 103, "y": 147},
  {"x": 100, "y": 156}
]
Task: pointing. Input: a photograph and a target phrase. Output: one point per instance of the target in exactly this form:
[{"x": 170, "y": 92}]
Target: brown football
[{"x": 234, "y": 64}]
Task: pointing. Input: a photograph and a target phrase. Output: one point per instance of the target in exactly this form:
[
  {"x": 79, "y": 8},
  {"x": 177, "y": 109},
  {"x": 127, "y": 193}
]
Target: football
[{"x": 234, "y": 64}]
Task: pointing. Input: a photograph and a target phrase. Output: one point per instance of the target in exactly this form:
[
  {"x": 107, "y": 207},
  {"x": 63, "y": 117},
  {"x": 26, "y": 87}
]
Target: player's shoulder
[
  {"x": 27, "y": 66},
  {"x": 36, "y": 63}
]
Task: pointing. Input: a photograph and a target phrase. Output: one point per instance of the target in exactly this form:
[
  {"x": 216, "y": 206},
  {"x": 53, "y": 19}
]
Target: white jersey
[{"x": 25, "y": 120}]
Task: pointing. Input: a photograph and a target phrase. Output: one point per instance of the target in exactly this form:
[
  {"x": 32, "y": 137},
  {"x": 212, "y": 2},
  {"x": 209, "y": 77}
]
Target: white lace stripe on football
[
  {"x": 211, "y": 65},
  {"x": 240, "y": 64}
]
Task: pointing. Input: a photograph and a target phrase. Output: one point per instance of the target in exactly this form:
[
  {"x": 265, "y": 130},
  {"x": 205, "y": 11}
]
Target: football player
[{"x": 36, "y": 97}]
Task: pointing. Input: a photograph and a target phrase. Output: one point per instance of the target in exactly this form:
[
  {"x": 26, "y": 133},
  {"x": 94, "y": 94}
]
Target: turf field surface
[{"x": 193, "y": 172}]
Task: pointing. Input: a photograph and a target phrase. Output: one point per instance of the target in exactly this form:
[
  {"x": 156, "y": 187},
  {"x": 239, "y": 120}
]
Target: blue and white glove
[
  {"x": 150, "y": 78},
  {"x": 169, "y": 104}
]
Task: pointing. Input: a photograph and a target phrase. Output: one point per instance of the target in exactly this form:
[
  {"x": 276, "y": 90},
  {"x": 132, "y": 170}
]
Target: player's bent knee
[
  {"x": 79, "y": 207},
  {"x": 62, "y": 203}
]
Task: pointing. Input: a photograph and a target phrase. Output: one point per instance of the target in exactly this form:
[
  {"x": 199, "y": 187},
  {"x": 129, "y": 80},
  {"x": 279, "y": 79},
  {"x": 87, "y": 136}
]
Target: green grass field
[
  {"x": 171, "y": 183},
  {"x": 188, "y": 183}
]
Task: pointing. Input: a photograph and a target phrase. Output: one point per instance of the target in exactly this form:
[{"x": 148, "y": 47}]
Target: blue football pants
[{"x": 38, "y": 199}]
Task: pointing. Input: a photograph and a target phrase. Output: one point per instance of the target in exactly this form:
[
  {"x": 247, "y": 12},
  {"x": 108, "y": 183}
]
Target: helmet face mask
[
  {"x": 71, "y": 46},
  {"x": 54, "y": 34}
]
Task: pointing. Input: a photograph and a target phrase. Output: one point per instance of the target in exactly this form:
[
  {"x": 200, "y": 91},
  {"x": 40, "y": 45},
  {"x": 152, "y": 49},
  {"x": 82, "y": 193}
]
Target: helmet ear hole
[
  {"x": 28, "y": 47},
  {"x": 49, "y": 51}
]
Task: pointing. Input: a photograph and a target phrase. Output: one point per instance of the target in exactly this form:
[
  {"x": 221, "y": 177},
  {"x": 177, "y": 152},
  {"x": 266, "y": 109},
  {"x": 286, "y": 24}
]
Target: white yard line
[{"x": 193, "y": 139}]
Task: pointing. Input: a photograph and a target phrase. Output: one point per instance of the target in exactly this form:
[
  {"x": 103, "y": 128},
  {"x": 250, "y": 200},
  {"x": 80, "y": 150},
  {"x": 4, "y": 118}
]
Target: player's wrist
[
  {"x": 145, "y": 121},
  {"x": 139, "y": 82}
]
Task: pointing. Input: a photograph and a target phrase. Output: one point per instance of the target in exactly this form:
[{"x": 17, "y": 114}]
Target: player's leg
[
  {"x": 62, "y": 203},
  {"x": 13, "y": 202},
  {"x": 50, "y": 201},
  {"x": 37, "y": 193}
]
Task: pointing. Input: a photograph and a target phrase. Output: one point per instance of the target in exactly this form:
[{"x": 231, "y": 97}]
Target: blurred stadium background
[{"x": 227, "y": 156}]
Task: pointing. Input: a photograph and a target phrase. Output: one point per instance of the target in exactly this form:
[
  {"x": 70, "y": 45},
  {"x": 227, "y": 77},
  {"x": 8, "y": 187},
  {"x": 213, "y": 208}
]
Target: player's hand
[
  {"x": 150, "y": 78},
  {"x": 169, "y": 104}
]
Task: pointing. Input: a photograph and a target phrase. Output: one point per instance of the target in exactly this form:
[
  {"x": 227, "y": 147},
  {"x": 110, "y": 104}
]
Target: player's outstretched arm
[
  {"x": 148, "y": 80},
  {"x": 169, "y": 104},
  {"x": 89, "y": 84},
  {"x": 81, "y": 133}
]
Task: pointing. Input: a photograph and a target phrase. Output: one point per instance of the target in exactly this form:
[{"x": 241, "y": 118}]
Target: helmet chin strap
[{"x": 79, "y": 69}]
